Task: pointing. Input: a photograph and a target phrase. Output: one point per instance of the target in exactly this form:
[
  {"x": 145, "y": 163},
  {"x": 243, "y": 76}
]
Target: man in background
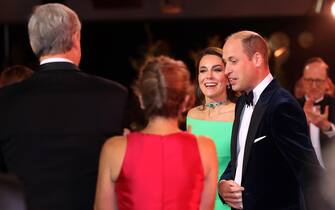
[
  {"x": 319, "y": 107},
  {"x": 54, "y": 123}
]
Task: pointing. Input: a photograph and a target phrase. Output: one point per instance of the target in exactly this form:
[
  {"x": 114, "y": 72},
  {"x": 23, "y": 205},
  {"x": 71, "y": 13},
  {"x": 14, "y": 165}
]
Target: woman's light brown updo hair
[{"x": 163, "y": 84}]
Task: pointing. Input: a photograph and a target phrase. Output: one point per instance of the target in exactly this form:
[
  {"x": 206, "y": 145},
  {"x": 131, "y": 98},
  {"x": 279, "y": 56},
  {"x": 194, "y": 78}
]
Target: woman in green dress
[{"x": 214, "y": 115}]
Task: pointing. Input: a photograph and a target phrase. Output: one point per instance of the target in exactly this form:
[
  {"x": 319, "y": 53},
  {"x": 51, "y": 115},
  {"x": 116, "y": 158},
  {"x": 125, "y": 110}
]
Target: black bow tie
[
  {"x": 320, "y": 103},
  {"x": 249, "y": 98}
]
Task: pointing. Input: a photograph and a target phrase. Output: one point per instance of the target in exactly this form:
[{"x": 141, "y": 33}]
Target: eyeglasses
[{"x": 317, "y": 82}]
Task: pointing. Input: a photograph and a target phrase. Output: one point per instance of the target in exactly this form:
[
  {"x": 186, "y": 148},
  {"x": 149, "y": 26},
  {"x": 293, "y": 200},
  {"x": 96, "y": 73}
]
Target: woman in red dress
[{"x": 160, "y": 167}]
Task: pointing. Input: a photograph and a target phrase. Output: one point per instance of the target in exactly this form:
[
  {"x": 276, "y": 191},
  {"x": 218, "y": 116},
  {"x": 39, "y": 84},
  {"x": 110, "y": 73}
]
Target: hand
[
  {"x": 308, "y": 109},
  {"x": 313, "y": 115},
  {"x": 321, "y": 120},
  {"x": 231, "y": 192}
]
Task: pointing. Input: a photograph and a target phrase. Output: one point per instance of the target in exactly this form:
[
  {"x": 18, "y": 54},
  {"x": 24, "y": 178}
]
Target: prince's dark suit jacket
[
  {"x": 52, "y": 127},
  {"x": 278, "y": 170}
]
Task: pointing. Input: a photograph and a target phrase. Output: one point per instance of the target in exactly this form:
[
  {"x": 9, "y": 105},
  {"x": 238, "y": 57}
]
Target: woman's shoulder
[
  {"x": 204, "y": 140},
  {"x": 115, "y": 143},
  {"x": 206, "y": 145},
  {"x": 196, "y": 112}
]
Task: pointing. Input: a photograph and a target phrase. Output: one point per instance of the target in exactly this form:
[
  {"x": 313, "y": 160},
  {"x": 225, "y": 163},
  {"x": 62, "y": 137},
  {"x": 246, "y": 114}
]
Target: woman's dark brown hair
[{"x": 162, "y": 85}]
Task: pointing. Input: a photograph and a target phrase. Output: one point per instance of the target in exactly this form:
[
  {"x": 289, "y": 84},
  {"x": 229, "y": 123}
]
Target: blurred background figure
[
  {"x": 214, "y": 115},
  {"x": 160, "y": 167},
  {"x": 319, "y": 107},
  {"x": 54, "y": 124},
  {"x": 330, "y": 89},
  {"x": 11, "y": 193},
  {"x": 14, "y": 74},
  {"x": 298, "y": 90},
  {"x": 328, "y": 181}
]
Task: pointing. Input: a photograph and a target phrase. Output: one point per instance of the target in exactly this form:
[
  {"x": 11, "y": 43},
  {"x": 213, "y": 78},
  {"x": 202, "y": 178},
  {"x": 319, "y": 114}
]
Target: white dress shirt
[
  {"x": 314, "y": 133},
  {"x": 244, "y": 126},
  {"x": 51, "y": 60}
]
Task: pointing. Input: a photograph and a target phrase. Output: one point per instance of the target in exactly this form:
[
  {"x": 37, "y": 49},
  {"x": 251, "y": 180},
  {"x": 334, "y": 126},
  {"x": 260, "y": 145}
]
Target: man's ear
[
  {"x": 258, "y": 59},
  {"x": 76, "y": 40}
]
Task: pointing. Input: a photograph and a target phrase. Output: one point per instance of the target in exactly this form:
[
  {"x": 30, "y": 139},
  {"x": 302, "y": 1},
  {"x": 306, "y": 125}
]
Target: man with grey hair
[{"x": 53, "y": 124}]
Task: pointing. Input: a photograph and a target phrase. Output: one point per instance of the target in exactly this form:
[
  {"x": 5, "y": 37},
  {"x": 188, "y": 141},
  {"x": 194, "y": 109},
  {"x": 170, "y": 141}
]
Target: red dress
[{"x": 160, "y": 172}]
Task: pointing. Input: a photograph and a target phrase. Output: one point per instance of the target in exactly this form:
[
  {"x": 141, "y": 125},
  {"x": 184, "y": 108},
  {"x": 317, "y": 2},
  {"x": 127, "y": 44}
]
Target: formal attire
[
  {"x": 53, "y": 126},
  {"x": 160, "y": 172},
  {"x": 278, "y": 164},
  {"x": 220, "y": 133},
  {"x": 322, "y": 140}
]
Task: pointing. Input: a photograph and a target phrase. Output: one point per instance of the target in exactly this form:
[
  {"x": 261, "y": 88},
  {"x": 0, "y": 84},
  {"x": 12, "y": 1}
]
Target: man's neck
[{"x": 69, "y": 56}]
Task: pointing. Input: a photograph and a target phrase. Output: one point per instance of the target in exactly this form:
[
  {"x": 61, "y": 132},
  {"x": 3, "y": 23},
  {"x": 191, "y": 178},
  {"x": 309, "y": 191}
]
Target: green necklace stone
[{"x": 215, "y": 104}]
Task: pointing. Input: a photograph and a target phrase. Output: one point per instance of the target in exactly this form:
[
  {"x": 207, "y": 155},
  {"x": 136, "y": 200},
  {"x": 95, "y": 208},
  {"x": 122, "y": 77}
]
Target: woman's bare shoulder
[
  {"x": 205, "y": 142},
  {"x": 196, "y": 112},
  {"x": 115, "y": 143}
]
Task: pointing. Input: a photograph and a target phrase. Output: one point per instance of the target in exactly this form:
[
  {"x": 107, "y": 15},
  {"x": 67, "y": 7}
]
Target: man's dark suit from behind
[{"x": 53, "y": 124}]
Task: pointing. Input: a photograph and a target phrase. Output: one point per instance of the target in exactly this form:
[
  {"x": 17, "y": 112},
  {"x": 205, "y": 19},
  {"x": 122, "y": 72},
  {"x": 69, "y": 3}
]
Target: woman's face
[{"x": 212, "y": 79}]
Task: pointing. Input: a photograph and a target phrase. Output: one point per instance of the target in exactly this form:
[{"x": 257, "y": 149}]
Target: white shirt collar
[
  {"x": 51, "y": 60},
  {"x": 257, "y": 91}
]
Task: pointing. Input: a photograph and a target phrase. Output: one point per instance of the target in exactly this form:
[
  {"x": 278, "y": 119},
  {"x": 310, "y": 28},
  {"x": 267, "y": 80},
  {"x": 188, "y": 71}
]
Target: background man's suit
[
  {"x": 325, "y": 141},
  {"x": 52, "y": 128},
  {"x": 279, "y": 168}
]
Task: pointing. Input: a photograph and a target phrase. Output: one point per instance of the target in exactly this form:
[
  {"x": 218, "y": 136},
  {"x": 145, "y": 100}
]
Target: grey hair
[{"x": 51, "y": 27}]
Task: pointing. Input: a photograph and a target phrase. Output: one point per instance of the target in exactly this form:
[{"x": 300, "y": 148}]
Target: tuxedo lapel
[
  {"x": 236, "y": 125},
  {"x": 256, "y": 118}
]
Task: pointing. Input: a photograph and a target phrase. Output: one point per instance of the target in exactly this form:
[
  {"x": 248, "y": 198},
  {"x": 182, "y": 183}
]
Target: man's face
[
  {"x": 240, "y": 69},
  {"x": 314, "y": 78}
]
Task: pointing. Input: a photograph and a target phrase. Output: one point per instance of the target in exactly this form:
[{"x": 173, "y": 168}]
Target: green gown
[{"x": 220, "y": 133}]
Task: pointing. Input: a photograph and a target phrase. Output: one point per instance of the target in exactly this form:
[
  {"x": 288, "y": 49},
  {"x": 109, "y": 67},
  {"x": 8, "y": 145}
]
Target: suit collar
[
  {"x": 233, "y": 146},
  {"x": 256, "y": 118},
  {"x": 258, "y": 90}
]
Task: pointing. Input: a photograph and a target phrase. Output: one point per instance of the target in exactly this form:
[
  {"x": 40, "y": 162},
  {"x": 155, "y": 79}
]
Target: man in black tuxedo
[
  {"x": 53, "y": 124},
  {"x": 318, "y": 106},
  {"x": 273, "y": 163}
]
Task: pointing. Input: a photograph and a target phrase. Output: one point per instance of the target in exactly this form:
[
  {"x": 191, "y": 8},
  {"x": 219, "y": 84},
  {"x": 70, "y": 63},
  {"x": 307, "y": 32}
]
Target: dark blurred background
[{"x": 118, "y": 34}]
